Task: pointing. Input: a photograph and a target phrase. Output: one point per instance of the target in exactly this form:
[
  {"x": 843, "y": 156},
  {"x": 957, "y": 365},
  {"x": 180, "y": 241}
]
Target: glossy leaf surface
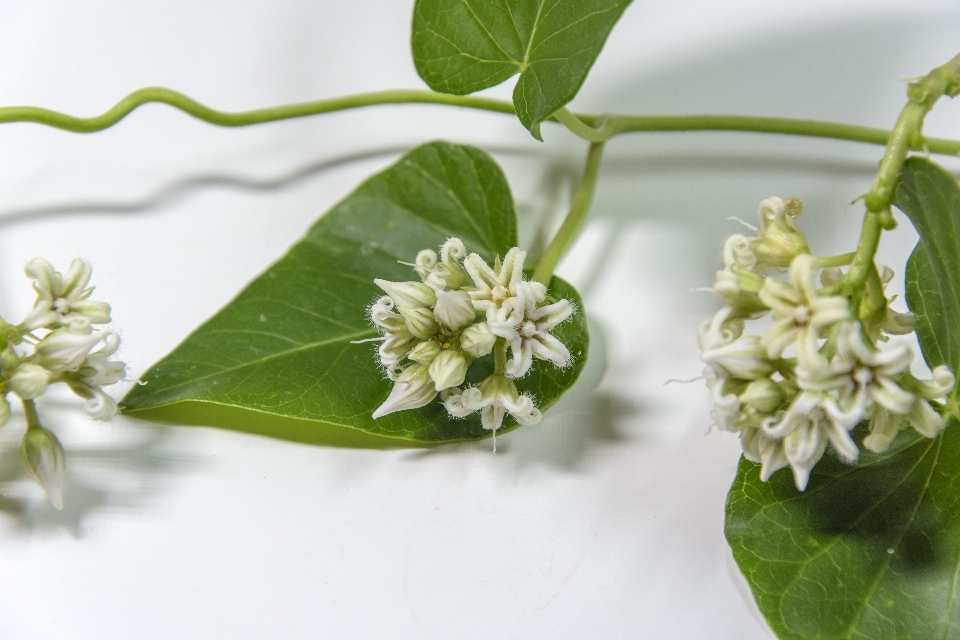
[
  {"x": 463, "y": 46},
  {"x": 871, "y": 550},
  {"x": 279, "y": 359}
]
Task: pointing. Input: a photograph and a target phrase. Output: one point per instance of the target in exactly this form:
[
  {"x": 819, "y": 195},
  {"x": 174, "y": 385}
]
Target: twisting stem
[
  {"x": 30, "y": 411},
  {"x": 614, "y": 124},
  {"x": 841, "y": 260},
  {"x": 500, "y": 357},
  {"x": 575, "y": 217},
  {"x": 906, "y": 135}
]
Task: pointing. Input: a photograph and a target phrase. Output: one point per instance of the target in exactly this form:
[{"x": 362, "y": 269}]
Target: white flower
[
  {"x": 799, "y": 311},
  {"x": 743, "y": 358},
  {"x": 530, "y": 335},
  {"x": 29, "y": 381},
  {"x": 413, "y": 389},
  {"x": 496, "y": 396},
  {"x": 62, "y": 300},
  {"x": 495, "y": 292},
  {"x": 43, "y": 458},
  {"x": 779, "y": 241},
  {"x": 63, "y": 350}
]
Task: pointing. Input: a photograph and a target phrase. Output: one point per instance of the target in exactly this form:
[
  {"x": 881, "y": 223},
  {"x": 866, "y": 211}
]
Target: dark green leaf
[
  {"x": 278, "y": 360},
  {"x": 462, "y": 46},
  {"x": 873, "y": 550}
]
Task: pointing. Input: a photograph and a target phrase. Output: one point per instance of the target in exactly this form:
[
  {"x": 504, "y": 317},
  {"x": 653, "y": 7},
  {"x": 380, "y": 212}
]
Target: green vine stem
[
  {"x": 907, "y": 135},
  {"x": 614, "y": 124},
  {"x": 30, "y": 412},
  {"x": 575, "y": 217}
]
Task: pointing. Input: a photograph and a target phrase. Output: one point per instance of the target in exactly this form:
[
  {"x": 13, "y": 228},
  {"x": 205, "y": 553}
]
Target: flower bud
[
  {"x": 448, "y": 369},
  {"x": 43, "y": 458},
  {"x": 764, "y": 395},
  {"x": 63, "y": 350},
  {"x": 477, "y": 340},
  {"x": 28, "y": 381},
  {"x": 744, "y": 358},
  {"x": 420, "y": 322},
  {"x": 8, "y": 359},
  {"x": 412, "y": 295},
  {"x": 454, "y": 309},
  {"x": 413, "y": 389},
  {"x": 425, "y": 352}
]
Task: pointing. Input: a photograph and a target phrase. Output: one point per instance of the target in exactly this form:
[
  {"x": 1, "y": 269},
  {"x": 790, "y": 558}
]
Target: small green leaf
[
  {"x": 462, "y": 46},
  {"x": 871, "y": 550},
  {"x": 278, "y": 360}
]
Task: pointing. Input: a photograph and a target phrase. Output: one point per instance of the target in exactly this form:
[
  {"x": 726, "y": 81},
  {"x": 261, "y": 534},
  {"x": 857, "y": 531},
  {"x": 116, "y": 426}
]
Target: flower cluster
[
  {"x": 818, "y": 370},
  {"x": 58, "y": 341},
  {"x": 461, "y": 310}
]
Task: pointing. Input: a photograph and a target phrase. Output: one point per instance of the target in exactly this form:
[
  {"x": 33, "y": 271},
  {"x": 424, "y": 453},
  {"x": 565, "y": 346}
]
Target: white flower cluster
[
  {"x": 463, "y": 309},
  {"x": 818, "y": 369},
  {"x": 57, "y": 342}
]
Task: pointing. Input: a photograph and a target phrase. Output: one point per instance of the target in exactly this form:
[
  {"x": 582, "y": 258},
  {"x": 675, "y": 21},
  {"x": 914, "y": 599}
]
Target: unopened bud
[
  {"x": 454, "y": 309},
  {"x": 28, "y": 381},
  {"x": 43, "y": 458},
  {"x": 420, "y": 322},
  {"x": 448, "y": 369},
  {"x": 425, "y": 352},
  {"x": 63, "y": 350},
  {"x": 413, "y": 389},
  {"x": 412, "y": 295},
  {"x": 477, "y": 339},
  {"x": 764, "y": 395}
]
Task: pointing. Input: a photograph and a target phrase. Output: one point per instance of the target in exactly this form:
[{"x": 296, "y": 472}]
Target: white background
[{"x": 606, "y": 520}]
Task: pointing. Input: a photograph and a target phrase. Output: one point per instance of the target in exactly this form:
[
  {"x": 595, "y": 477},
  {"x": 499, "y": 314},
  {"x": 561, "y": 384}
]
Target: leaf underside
[
  {"x": 463, "y": 46},
  {"x": 279, "y": 359},
  {"x": 871, "y": 550}
]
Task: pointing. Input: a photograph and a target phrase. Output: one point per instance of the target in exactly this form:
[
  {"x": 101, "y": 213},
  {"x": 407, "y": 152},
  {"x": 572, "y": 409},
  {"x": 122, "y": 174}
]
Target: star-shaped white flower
[
  {"x": 62, "y": 299},
  {"x": 531, "y": 335},
  {"x": 799, "y": 311}
]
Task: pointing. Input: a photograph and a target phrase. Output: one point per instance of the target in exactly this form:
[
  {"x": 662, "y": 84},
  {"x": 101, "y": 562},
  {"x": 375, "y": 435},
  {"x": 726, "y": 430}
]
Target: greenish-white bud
[
  {"x": 425, "y": 352},
  {"x": 420, "y": 322},
  {"x": 411, "y": 295},
  {"x": 63, "y": 350},
  {"x": 43, "y": 458},
  {"x": 454, "y": 309},
  {"x": 29, "y": 381},
  {"x": 764, "y": 395},
  {"x": 8, "y": 359},
  {"x": 413, "y": 389},
  {"x": 448, "y": 369},
  {"x": 477, "y": 339}
]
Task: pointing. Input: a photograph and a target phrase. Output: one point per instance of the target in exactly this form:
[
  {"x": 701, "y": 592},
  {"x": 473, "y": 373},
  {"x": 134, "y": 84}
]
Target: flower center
[
  {"x": 61, "y": 305},
  {"x": 499, "y": 294},
  {"x": 802, "y": 315},
  {"x": 528, "y": 329}
]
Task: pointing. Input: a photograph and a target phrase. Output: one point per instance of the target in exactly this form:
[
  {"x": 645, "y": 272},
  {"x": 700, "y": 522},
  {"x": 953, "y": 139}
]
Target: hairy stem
[
  {"x": 612, "y": 124},
  {"x": 575, "y": 217}
]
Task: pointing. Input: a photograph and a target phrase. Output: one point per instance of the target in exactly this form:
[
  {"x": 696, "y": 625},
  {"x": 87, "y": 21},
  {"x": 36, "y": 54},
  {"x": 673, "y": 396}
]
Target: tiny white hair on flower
[
  {"x": 464, "y": 309},
  {"x": 802, "y": 385}
]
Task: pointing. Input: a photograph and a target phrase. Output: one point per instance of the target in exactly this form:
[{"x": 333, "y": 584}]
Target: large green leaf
[
  {"x": 871, "y": 551},
  {"x": 278, "y": 360},
  {"x": 462, "y": 46}
]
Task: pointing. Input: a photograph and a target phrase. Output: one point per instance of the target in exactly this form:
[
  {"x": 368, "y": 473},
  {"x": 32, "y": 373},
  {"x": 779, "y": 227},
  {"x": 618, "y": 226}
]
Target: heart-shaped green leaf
[
  {"x": 279, "y": 360},
  {"x": 462, "y": 46},
  {"x": 873, "y": 550}
]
